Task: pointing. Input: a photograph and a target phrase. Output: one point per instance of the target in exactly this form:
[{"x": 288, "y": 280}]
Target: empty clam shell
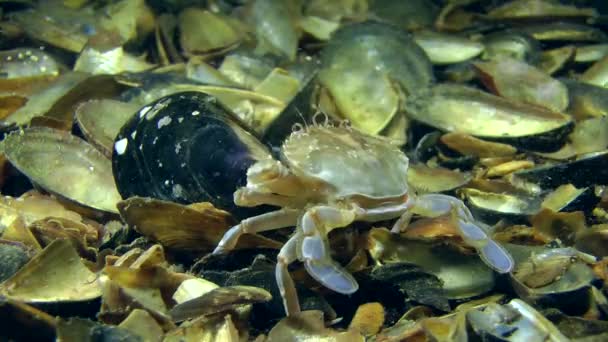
[
  {"x": 519, "y": 81},
  {"x": 64, "y": 165},
  {"x": 57, "y": 274},
  {"x": 456, "y": 108},
  {"x": 463, "y": 276},
  {"x": 368, "y": 69}
]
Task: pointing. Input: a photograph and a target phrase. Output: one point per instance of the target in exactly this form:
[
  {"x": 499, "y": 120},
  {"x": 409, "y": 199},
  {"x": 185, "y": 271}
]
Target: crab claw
[
  {"x": 332, "y": 276},
  {"x": 496, "y": 257},
  {"x": 471, "y": 231},
  {"x": 320, "y": 266}
]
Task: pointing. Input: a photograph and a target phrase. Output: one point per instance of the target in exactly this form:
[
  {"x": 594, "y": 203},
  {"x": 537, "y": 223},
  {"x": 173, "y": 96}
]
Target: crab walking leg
[
  {"x": 314, "y": 250},
  {"x": 269, "y": 221},
  {"x": 287, "y": 288},
  {"x": 492, "y": 253}
]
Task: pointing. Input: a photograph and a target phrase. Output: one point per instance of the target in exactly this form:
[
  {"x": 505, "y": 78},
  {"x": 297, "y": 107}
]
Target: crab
[{"x": 329, "y": 177}]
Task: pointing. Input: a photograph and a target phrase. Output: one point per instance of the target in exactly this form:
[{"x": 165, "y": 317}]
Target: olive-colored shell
[{"x": 64, "y": 165}]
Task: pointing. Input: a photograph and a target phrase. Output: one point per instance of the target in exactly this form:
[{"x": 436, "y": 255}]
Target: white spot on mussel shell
[
  {"x": 178, "y": 191},
  {"x": 157, "y": 108},
  {"x": 180, "y": 119},
  {"x": 144, "y": 111},
  {"x": 178, "y": 147},
  {"x": 121, "y": 146},
  {"x": 163, "y": 122},
  {"x": 133, "y": 135},
  {"x": 167, "y": 182},
  {"x": 183, "y": 165},
  {"x": 195, "y": 113},
  {"x": 154, "y": 141}
]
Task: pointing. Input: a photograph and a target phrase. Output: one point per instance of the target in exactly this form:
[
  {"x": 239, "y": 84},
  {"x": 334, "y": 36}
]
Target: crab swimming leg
[
  {"x": 492, "y": 253},
  {"x": 316, "y": 223},
  {"x": 273, "y": 220}
]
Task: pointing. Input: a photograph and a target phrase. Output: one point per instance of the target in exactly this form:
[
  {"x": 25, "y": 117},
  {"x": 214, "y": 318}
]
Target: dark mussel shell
[{"x": 185, "y": 148}]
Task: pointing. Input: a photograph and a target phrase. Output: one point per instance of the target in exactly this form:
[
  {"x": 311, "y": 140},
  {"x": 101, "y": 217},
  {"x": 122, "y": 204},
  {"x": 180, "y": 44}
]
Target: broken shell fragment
[
  {"x": 447, "y": 48},
  {"x": 586, "y": 100},
  {"x": 274, "y": 23},
  {"x": 471, "y": 146},
  {"x": 554, "y": 60},
  {"x": 506, "y": 168},
  {"x": 568, "y": 198},
  {"x": 57, "y": 274},
  {"x": 141, "y": 323},
  {"x": 204, "y": 32},
  {"x": 513, "y": 44},
  {"x": 368, "y": 319},
  {"x": 48, "y": 156},
  {"x": 586, "y": 171},
  {"x": 590, "y": 53},
  {"x": 425, "y": 179},
  {"x": 309, "y": 325},
  {"x": 197, "y": 227},
  {"x": 489, "y": 204},
  {"x": 597, "y": 74},
  {"x": 218, "y": 300},
  {"x": 33, "y": 206},
  {"x": 45, "y": 98},
  {"x": 593, "y": 240},
  {"x": 108, "y": 57},
  {"x": 514, "y": 321}
]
